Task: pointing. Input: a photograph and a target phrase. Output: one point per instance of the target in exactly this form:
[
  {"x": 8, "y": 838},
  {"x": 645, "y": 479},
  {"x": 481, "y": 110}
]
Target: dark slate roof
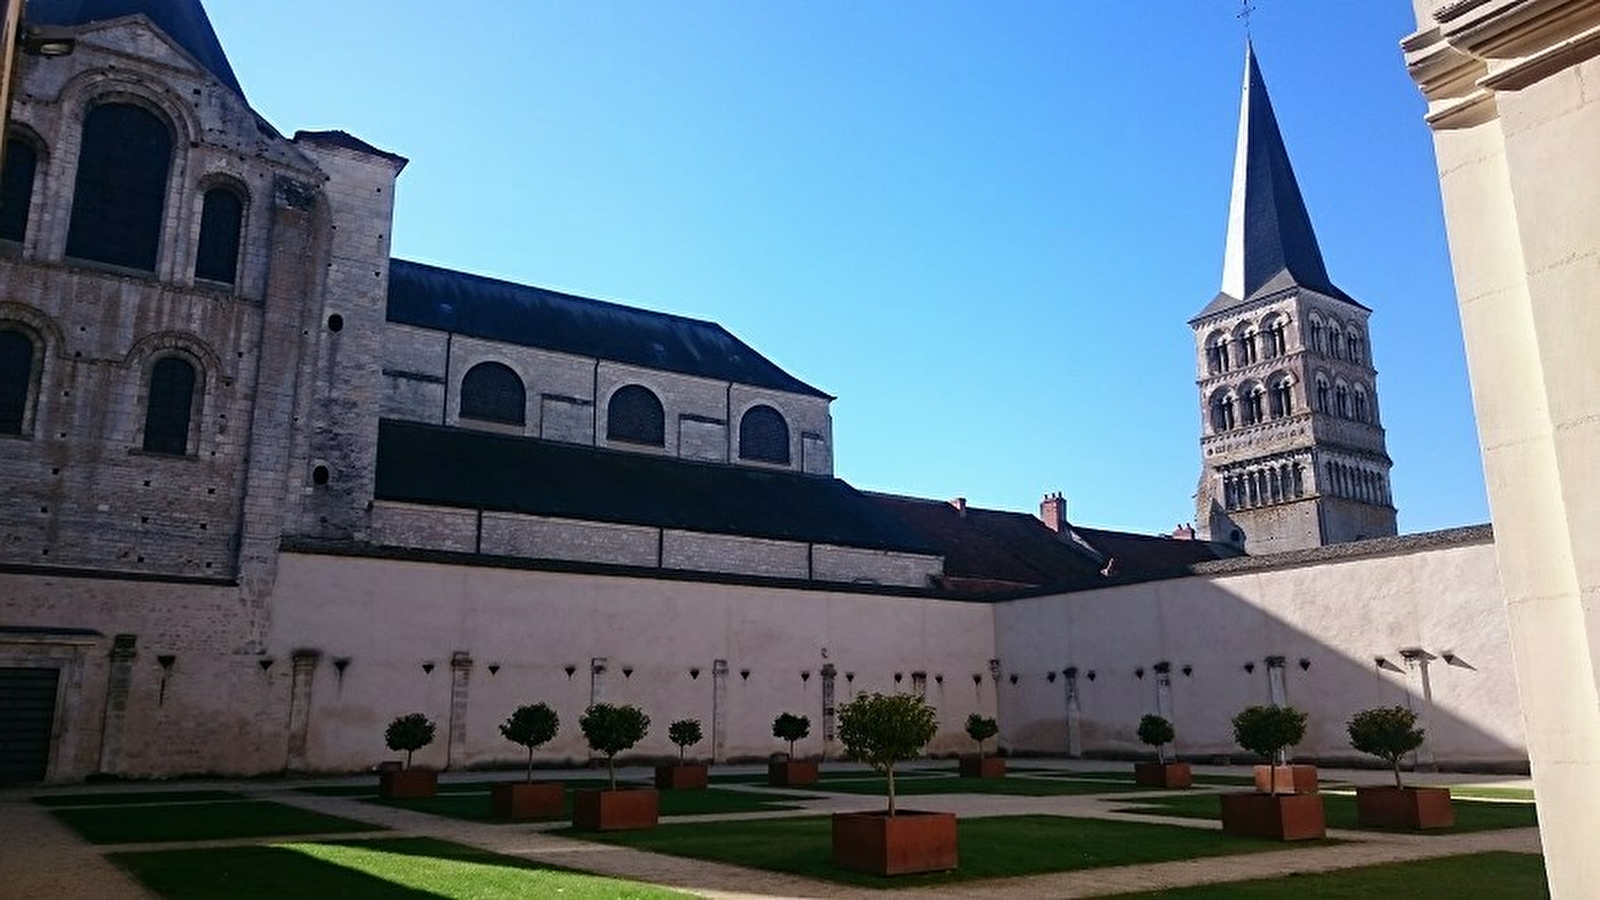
[
  {"x": 458, "y": 467},
  {"x": 336, "y": 138},
  {"x": 990, "y": 552},
  {"x": 447, "y": 300},
  {"x": 1274, "y": 237},
  {"x": 184, "y": 21}
]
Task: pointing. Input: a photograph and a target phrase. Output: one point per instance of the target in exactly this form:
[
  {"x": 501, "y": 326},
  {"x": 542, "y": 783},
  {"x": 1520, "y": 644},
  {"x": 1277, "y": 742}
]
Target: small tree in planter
[
  {"x": 882, "y": 730},
  {"x": 1158, "y": 732},
  {"x": 980, "y": 729},
  {"x": 530, "y": 726},
  {"x": 1389, "y": 733},
  {"x": 408, "y": 733},
  {"x": 685, "y": 733},
  {"x": 1266, "y": 731},
  {"x": 790, "y": 727},
  {"x": 611, "y": 729}
]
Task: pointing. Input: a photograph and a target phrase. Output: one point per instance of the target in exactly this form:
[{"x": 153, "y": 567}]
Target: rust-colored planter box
[
  {"x": 909, "y": 841},
  {"x": 682, "y": 778},
  {"x": 1402, "y": 807},
  {"x": 1163, "y": 775},
  {"x": 987, "y": 767},
  {"x": 1291, "y": 779},
  {"x": 790, "y": 772},
  {"x": 515, "y": 801},
  {"x": 1274, "y": 817},
  {"x": 624, "y": 809},
  {"x": 408, "y": 784}
]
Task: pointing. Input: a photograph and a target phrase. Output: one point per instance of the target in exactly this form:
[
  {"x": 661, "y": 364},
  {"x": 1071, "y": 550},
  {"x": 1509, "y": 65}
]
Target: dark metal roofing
[
  {"x": 447, "y": 300},
  {"x": 458, "y": 467},
  {"x": 184, "y": 21},
  {"x": 337, "y": 138},
  {"x": 1274, "y": 236}
]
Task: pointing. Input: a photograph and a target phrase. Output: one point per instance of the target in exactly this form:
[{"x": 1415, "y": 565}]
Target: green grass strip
[
  {"x": 1340, "y": 810},
  {"x": 201, "y": 822},
  {"x": 1495, "y": 874},
  {"x": 1486, "y": 792},
  {"x": 1020, "y": 786},
  {"x": 134, "y": 798},
  {"x": 391, "y": 869},
  {"x": 470, "y": 800},
  {"x": 999, "y": 847}
]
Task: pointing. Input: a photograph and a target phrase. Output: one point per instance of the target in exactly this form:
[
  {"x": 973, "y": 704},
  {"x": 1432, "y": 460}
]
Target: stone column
[
  {"x": 303, "y": 673},
  {"x": 719, "y": 710},
  {"x": 460, "y": 677},
  {"x": 123, "y": 654}
]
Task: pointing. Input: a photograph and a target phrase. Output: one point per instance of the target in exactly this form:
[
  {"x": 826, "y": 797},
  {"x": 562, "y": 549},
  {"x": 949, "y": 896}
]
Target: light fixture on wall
[
  {"x": 938, "y": 678},
  {"x": 1090, "y": 675},
  {"x": 805, "y": 674},
  {"x": 1050, "y": 676},
  {"x": 627, "y": 671},
  {"x": 1187, "y": 670},
  {"x": 1305, "y": 664},
  {"x": 744, "y": 674},
  {"x": 1013, "y": 678},
  {"x": 427, "y": 667},
  {"x": 977, "y": 678},
  {"x": 694, "y": 673},
  {"x": 265, "y": 662},
  {"x": 1386, "y": 665},
  {"x": 494, "y": 668},
  {"x": 1250, "y": 666},
  {"x": 899, "y": 677},
  {"x": 850, "y": 677},
  {"x": 569, "y": 668},
  {"x": 166, "y": 660},
  {"x": 1139, "y": 672}
]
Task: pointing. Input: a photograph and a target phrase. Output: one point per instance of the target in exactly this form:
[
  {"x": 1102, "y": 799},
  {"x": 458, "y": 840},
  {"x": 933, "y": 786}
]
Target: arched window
[
  {"x": 1353, "y": 343},
  {"x": 1336, "y": 342},
  {"x": 634, "y": 415},
  {"x": 1362, "y": 415},
  {"x": 490, "y": 391},
  {"x": 764, "y": 435},
  {"x": 121, "y": 187},
  {"x": 1255, "y": 398},
  {"x": 1247, "y": 346},
  {"x": 16, "y": 379},
  {"x": 16, "y": 189},
  {"x": 1341, "y": 400},
  {"x": 1276, "y": 332},
  {"x": 169, "y": 406},
  {"x": 221, "y": 218},
  {"x": 1217, "y": 353},
  {"x": 1282, "y": 397},
  {"x": 1222, "y": 412},
  {"x": 1317, "y": 342},
  {"x": 1322, "y": 394}
]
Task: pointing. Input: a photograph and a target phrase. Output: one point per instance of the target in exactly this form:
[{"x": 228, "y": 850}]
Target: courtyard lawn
[
  {"x": 189, "y": 821},
  {"x": 470, "y": 800},
  {"x": 1486, "y": 792},
  {"x": 135, "y": 798},
  {"x": 1000, "y": 847},
  {"x": 1519, "y": 875},
  {"x": 1015, "y": 785},
  {"x": 1471, "y": 815},
  {"x": 366, "y": 870}
]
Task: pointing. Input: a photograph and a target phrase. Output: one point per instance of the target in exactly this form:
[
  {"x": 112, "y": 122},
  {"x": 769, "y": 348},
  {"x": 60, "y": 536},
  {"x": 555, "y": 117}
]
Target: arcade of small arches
[
  {"x": 1355, "y": 482},
  {"x": 494, "y": 393},
  {"x": 1253, "y": 402},
  {"x": 1263, "y": 485},
  {"x": 1250, "y": 342}
]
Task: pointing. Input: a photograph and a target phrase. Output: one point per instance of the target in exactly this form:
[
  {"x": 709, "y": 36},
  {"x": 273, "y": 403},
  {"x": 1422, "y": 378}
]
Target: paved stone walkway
[{"x": 41, "y": 858}]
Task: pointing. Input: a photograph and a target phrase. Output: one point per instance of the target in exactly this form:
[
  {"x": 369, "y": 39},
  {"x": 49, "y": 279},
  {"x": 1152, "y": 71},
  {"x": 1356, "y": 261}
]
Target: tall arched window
[
  {"x": 1336, "y": 342},
  {"x": 1353, "y": 343},
  {"x": 634, "y": 415},
  {"x": 1341, "y": 400},
  {"x": 216, "y": 258},
  {"x": 1362, "y": 414},
  {"x": 490, "y": 391},
  {"x": 16, "y": 189},
  {"x": 1217, "y": 353},
  {"x": 169, "y": 406},
  {"x": 16, "y": 379},
  {"x": 764, "y": 435},
  {"x": 1282, "y": 397},
  {"x": 1222, "y": 412},
  {"x": 1255, "y": 398},
  {"x": 1276, "y": 333},
  {"x": 1247, "y": 346},
  {"x": 1317, "y": 338},
  {"x": 1322, "y": 394},
  {"x": 121, "y": 187}
]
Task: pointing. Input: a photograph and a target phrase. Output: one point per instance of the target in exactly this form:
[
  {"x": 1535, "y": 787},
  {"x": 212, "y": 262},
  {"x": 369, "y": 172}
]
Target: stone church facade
[{"x": 264, "y": 487}]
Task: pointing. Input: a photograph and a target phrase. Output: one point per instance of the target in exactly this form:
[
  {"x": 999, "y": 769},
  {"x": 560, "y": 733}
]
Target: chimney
[
  {"x": 1184, "y": 532},
  {"x": 1053, "y": 511},
  {"x": 960, "y": 504}
]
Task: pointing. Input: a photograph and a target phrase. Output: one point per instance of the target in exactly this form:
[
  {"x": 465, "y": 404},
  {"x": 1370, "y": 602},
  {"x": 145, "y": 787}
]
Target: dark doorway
[{"x": 27, "y": 713}]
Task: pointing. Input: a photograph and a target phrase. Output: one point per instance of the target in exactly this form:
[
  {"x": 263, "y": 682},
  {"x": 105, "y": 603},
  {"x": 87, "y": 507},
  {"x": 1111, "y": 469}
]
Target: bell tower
[{"x": 1291, "y": 446}]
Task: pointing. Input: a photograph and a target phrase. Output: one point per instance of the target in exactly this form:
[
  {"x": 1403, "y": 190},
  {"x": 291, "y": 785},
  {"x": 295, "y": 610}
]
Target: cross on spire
[{"x": 1245, "y": 9}]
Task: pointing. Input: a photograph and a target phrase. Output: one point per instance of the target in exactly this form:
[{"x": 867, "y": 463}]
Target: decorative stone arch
[
  {"x": 1222, "y": 407},
  {"x": 210, "y": 234},
  {"x": 1247, "y": 337},
  {"x": 25, "y": 146},
  {"x": 1361, "y": 403},
  {"x": 1335, "y": 338},
  {"x": 634, "y": 415},
  {"x": 146, "y": 356},
  {"x": 764, "y": 435},
  {"x": 492, "y": 390},
  {"x": 1218, "y": 354},
  {"x": 1355, "y": 342},
  {"x": 27, "y": 338},
  {"x": 1280, "y": 394},
  {"x": 1322, "y": 391},
  {"x": 1252, "y": 402},
  {"x": 1341, "y": 398},
  {"x": 1274, "y": 334},
  {"x": 1317, "y": 340}
]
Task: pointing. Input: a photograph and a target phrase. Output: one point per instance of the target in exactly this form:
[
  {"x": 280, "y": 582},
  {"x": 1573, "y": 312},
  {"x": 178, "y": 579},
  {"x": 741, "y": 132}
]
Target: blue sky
[{"x": 983, "y": 226}]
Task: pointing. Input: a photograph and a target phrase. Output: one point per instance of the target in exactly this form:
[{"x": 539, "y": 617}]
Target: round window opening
[
  {"x": 319, "y": 475},
  {"x": 335, "y": 322}
]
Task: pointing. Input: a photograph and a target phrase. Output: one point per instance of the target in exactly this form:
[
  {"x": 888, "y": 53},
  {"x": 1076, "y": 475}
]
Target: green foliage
[
  {"x": 531, "y": 726},
  {"x": 790, "y": 727},
  {"x": 1387, "y": 732},
  {"x": 1266, "y": 730},
  {"x": 883, "y": 729},
  {"x": 410, "y": 732},
  {"x": 981, "y": 729},
  {"x": 1156, "y": 731},
  {"x": 612, "y": 728},
  {"x": 685, "y": 733}
]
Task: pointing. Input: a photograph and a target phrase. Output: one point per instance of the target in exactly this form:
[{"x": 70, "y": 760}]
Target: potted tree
[
  {"x": 409, "y": 733},
  {"x": 1266, "y": 731},
  {"x": 980, "y": 729},
  {"x": 530, "y": 726},
  {"x": 790, "y": 727},
  {"x": 684, "y": 775},
  {"x": 882, "y": 730},
  {"x": 1389, "y": 733},
  {"x": 611, "y": 729},
  {"x": 1158, "y": 732}
]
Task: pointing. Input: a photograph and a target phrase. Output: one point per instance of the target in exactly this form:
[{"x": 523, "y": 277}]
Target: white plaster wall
[
  {"x": 1338, "y": 616},
  {"x": 388, "y": 618}
]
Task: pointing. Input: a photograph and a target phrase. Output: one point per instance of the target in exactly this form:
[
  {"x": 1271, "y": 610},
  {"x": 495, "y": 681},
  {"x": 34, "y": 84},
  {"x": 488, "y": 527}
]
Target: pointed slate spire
[
  {"x": 1271, "y": 245},
  {"x": 184, "y": 21}
]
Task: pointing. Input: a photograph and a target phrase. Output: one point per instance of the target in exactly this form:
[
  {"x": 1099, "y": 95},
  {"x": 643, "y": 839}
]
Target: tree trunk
[
  {"x": 890, "y": 773},
  {"x": 611, "y": 767},
  {"x": 408, "y": 759},
  {"x": 1397, "y": 772},
  {"x": 530, "y": 765}
]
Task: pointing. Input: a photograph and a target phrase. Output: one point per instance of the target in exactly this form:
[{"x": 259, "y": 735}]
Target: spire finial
[{"x": 1245, "y": 9}]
